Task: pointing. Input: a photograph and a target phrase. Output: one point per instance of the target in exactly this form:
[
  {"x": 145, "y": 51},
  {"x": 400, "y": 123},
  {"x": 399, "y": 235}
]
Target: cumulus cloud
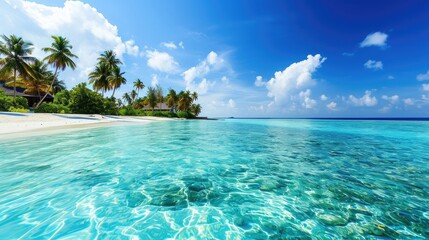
[
  {"x": 332, "y": 106},
  {"x": 365, "y": 100},
  {"x": 210, "y": 63},
  {"x": 372, "y": 64},
  {"x": 323, "y": 97},
  {"x": 225, "y": 79},
  {"x": 231, "y": 103},
  {"x": 169, "y": 45},
  {"x": 259, "y": 82},
  {"x": 154, "y": 80},
  {"x": 409, "y": 101},
  {"x": 161, "y": 61},
  {"x": 374, "y": 39},
  {"x": 36, "y": 22},
  {"x": 392, "y": 99},
  {"x": 181, "y": 45},
  {"x": 307, "y": 102},
  {"x": 297, "y": 76},
  {"x": 390, "y": 77},
  {"x": 423, "y": 76},
  {"x": 425, "y": 87}
]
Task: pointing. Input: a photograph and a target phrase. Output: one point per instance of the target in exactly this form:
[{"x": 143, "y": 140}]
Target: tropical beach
[
  {"x": 238, "y": 120},
  {"x": 11, "y": 124}
]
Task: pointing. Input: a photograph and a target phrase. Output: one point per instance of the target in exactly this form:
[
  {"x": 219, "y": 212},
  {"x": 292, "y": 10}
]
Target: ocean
[{"x": 225, "y": 179}]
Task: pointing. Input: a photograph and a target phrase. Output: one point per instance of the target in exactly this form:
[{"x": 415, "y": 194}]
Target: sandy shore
[{"x": 19, "y": 123}]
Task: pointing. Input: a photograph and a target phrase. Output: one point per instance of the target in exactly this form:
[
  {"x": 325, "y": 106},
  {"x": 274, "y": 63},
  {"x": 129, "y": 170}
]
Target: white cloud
[
  {"x": 181, "y": 45},
  {"x": 231, "y": 103},
  {"x": 202, "y": 87},
  {"x": 210, "y": 63},
  {"x": 425, "y": 87},
  {"x": 374, "y": 39},
  {"x": 225, "y": 79},
  {"x": 365, "y": 100},
  {"x": 323, "y": 97},
  {"x": 391, "y": 99},
  {"x": 390, "y": 77},
  {"x": 372, "y": 64},
  {"x": 409, "y": 101},
  {"x": 154, "y": 80},
  {"x": 161, "y": 61},
  {"x": 423, "y": 76},
  {"x": 37, "y": 22},
  {"x": 385, "y": 109},
  {"x": 259, "y": 82},
  {"x": 132, "y": 48},
  {"x": 307, "y": 102},
  {"x": 297, "y": 76},
  {"x": 347, "y": 54},
  {"x": 169, "y": 45},
  {"x": 332, "y": 106}
]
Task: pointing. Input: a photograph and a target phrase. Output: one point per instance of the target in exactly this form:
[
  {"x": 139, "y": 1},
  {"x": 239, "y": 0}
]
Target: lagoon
[{"x": 226, "y": 179}]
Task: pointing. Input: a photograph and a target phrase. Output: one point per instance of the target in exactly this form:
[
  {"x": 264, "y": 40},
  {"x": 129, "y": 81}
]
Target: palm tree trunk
[
  {"x": 38, "y": 93},
  {"x": 113, "y": 92},
  {"x": 49, "y": 89},
  {"x": 14, "y": 85}
]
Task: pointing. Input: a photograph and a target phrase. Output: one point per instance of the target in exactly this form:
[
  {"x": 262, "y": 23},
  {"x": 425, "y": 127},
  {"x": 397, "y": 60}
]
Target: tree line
[{"x": 18, "y": 68}]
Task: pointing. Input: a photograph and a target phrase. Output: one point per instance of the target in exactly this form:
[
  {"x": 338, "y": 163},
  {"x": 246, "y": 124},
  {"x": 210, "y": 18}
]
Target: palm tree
[
  {"x": 116, "y": 79},
  {"x": 98, "y": 78},
  {"x": 159, "y": 95},
  {"x": 37, "y": 83},
  {"x": 17, "y": 56},
  {"x": 60, "y": 56},
  {"x": 127, "y": 98},
  {"x": 109, "y": 59},
  {"x": 196, "y": 109},
  {"x": 194, "y": 96},
  {"x": 151, "y": 97},
  {"x": 133, "y": 95},
  {"x": 185, "y": 101},
  {"x": 58, "y": 86},
  {"x": 171, "y": 99},
  {"x": 138, "y": 85}
]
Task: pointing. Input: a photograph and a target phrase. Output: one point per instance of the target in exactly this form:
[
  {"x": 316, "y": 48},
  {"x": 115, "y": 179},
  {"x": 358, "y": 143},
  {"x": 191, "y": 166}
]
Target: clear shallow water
[{"x": 234, "y": 179}]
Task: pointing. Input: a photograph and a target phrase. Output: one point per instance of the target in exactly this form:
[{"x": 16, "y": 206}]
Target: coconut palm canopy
[{"x": 15, "y": 58}]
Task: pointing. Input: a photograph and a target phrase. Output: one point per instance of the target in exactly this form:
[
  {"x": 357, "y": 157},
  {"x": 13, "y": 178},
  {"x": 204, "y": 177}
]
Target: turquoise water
[{"x": 233, "y": 179}]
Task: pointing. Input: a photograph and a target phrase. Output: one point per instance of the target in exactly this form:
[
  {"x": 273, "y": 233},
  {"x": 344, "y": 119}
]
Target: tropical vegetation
[{"x": 19, "y": 69}]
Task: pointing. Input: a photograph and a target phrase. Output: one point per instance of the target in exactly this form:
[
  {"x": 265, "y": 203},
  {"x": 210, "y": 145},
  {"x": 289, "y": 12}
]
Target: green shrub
[
  {"x": 84, "y": 100},
  {"x": 7, "y": 101},
  {"x": 52, "y": 108},
  {"x": 185, "y": 115},
  {"x": 109, "y": 106},
  {"x": 21, "y": 110},
  {"x": 21, "y": 102},
  {"x": 62, "y": 98}
]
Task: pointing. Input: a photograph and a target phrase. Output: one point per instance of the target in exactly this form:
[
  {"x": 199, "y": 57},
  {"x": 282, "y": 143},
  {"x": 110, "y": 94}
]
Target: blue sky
[{"x": 251, "y": 58}]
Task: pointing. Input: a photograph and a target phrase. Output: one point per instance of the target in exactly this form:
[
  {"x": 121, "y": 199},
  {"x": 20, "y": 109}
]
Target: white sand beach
[{"x": 24, "y": 123}]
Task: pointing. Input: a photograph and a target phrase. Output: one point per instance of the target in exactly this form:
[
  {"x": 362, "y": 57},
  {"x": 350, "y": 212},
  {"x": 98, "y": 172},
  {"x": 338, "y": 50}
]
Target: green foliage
[
  {"x": 21, "y": 110},
  {"x": 129, "y": 111},
  {"x": 109, "y": 106},
  {"x": 21, "y": 102},
  {"x": 6, "y": 102},
  {"x": 62, "y": 98},
  {"x": 183, "y": 114},
  {"x": 85, "y": 101},
  {"x": 52, "y": 108}
]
